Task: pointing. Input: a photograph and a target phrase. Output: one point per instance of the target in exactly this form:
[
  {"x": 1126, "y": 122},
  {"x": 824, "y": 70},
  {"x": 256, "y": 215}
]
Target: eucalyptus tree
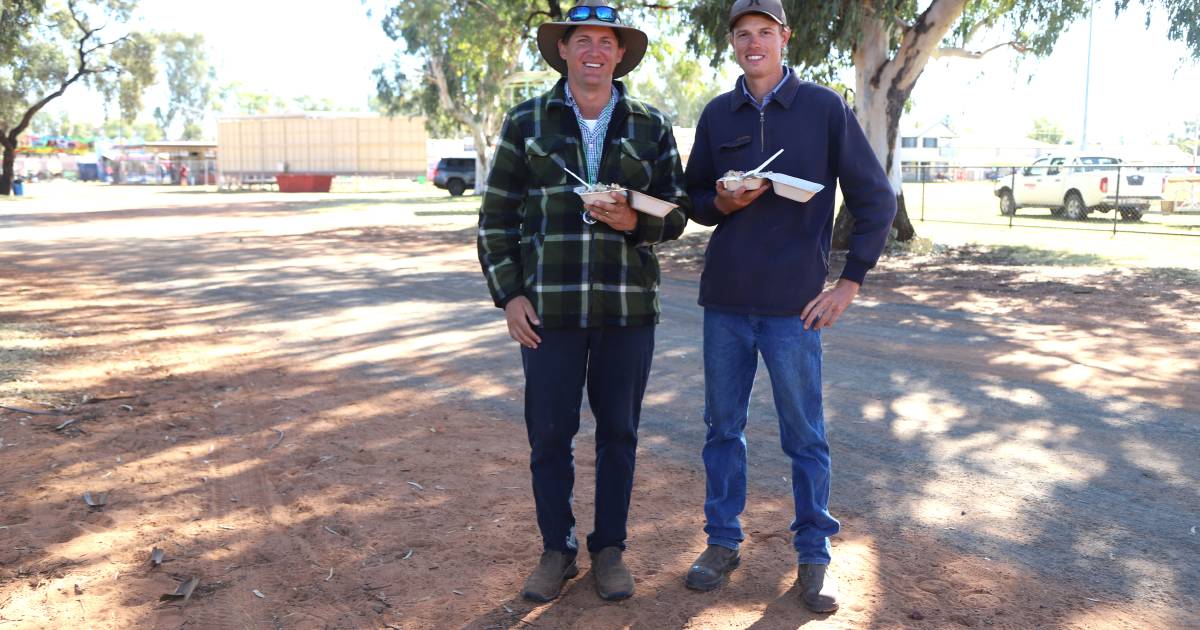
[
  {"x": 889, "y": 43},
  {"x": 48, "y": 46},
  {"x": 468, "y": 51},
  {"x": 190, "y": 76}
]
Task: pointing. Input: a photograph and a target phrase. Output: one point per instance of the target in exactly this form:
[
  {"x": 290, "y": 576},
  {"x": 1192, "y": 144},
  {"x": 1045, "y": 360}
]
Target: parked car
[
  {"x": 1076, "y": 186},
  {"x": 455, "y": 175}
]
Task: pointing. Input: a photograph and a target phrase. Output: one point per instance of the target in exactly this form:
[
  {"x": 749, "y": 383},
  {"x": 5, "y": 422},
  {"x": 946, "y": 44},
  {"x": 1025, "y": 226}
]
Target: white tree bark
[{"x": 883, "y": 82}]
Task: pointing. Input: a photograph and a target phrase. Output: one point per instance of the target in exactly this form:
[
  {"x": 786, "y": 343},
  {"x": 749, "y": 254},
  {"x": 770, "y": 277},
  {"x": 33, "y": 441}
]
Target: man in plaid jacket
[{"x": 579, "y": 284}]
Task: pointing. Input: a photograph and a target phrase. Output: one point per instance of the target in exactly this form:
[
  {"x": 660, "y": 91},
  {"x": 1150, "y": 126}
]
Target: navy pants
[{"x": 614, "y": 364}]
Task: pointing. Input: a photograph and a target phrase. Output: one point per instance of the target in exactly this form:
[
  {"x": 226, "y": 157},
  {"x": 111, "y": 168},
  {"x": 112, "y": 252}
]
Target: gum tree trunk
[
  {"x": 6, "y": 175},
  {"x": 882, "y": 86}
]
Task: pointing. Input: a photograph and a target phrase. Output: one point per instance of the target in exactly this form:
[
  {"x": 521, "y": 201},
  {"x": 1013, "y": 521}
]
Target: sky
[{"x": 1143, "y": 86}]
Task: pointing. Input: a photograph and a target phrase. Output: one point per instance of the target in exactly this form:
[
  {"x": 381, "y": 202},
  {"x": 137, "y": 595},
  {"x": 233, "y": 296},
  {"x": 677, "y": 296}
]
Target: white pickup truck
[{"x": 1075, "y": 186}]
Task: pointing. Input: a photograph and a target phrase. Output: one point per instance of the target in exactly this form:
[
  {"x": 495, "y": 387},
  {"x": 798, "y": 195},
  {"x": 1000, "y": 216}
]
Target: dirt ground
[{"x": 306, "y": 490}]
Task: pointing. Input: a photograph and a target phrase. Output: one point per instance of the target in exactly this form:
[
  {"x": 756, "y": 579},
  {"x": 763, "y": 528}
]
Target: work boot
[
  {"x": 613, "y": 581},
  {"x": 711, "y": 568},
  {"x": 547, "y": 579},
  {"x": 818, "y": 591}
]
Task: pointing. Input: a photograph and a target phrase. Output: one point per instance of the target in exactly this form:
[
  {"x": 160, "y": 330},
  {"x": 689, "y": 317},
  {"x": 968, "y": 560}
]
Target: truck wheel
[
  {"x": 1075, "y": 210},
  {"x": 456, "y": 187},
  {"x": 1008, "y": 205},
  {"x": 1132, "y": 214}
]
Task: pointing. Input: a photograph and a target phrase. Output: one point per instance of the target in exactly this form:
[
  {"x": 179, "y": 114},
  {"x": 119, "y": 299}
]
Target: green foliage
[
  {"x": 821, "y": 41},
  {"x": 16, "y": 17},
  {"x": 467, "y": 49},
  {"x": 236, "y": 97},
  {"x": 118, "y": 129},
  {"x": 825, "y": 32},
  {"x": 1188, "y": 140},
  {"x": 1046, "y": 130},
  {"x": 676, "y": 82},
  {"x": 324, "y": 104},
  {"x": 59, "y": 124},
  {"x": 190, "y": 78},
  {"x": 134, "y": 59},
  {"x": 47, "y": 47}
]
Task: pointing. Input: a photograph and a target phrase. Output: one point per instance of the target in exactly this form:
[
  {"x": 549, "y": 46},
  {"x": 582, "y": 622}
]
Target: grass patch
[
  {"x": 23, "y": 347},
  {"x": 1025, "y": 255}
]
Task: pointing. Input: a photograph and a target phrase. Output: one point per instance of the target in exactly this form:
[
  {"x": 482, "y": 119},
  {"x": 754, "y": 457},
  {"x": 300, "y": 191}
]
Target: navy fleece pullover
[{"x": 772, "y": 257}]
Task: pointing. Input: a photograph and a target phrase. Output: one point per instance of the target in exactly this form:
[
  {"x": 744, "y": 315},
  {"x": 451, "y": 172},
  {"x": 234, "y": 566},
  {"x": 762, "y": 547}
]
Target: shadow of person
[{"x": 787, "y": 612}]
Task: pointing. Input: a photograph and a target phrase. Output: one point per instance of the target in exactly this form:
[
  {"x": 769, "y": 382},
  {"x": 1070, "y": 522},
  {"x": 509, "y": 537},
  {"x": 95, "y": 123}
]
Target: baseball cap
[{"x": 770, "y": 8}]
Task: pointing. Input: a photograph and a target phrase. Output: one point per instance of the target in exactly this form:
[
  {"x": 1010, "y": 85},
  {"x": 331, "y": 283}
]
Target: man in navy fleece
[{"x": 763, "y": 283}]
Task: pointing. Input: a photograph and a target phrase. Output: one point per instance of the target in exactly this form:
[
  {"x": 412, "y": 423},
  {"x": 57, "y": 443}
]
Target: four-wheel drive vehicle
[
  {"x": 1076, "y": 186},
  {"x": 455, "y": 174}
]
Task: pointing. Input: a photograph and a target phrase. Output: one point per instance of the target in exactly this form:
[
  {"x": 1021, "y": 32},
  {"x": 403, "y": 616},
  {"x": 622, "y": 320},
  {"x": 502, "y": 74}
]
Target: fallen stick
[
  {"x": 32, "y": 411},
  {"x": 88, "y": 399},
  {"x": 277, "y": 441}
]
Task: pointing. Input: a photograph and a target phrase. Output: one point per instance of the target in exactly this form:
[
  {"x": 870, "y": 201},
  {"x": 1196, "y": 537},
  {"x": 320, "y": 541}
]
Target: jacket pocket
[
  {"x": 636, "y": 163},
  {"x": 738, "y": 143},
  {"x": 544, "y": 156}
]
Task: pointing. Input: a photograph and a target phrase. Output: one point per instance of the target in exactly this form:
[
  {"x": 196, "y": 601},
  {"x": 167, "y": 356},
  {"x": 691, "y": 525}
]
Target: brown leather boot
[
  {"x": 547, "y": 579},
  {"x": 818, "y": 591},
  {"x": 613, "y": 580},
  {"x": 711, "y": 568}
]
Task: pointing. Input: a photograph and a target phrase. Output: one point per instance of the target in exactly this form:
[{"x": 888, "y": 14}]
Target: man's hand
[
  {"x": 616, "y": 213},
  {"x": 730, "y": 201},
  {"x": 825, "y": 309},
  {"x": 521, "y": 320}
]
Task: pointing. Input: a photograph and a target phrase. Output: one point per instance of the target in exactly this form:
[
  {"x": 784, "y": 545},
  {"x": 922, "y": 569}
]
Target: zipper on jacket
[{"x": 762, "y": 131}]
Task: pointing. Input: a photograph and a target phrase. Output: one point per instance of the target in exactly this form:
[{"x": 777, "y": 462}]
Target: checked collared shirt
[
  {"x": 593, "y": 138},
  {"x": 532, "y": 239},
  {"x": 769, "y": 95}
]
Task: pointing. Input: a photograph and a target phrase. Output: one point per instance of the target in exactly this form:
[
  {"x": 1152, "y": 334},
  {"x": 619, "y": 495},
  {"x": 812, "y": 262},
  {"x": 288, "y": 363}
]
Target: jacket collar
[{"x": 785, "y": 95}]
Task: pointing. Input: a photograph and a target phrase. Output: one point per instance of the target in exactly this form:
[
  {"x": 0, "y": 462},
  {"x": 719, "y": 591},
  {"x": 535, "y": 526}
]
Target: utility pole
[{"x": 1088, "y": 76}]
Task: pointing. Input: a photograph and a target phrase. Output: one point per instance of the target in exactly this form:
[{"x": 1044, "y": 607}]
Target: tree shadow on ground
[{"x": 983, "y": 448}]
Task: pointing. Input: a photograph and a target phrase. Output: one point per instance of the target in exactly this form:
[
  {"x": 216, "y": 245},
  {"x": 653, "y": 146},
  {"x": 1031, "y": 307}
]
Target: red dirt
[{"x": 351, "y": 504}]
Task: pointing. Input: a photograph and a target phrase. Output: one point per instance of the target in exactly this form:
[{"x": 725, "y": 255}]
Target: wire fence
[
  {"x": 1159, "y": 199},
  {"x": 163, "y": 171}
]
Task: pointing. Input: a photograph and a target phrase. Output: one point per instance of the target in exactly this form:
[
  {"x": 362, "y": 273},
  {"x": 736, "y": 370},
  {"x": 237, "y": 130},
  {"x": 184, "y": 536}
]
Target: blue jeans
[
  {"x": 732, "y": 343},
  {"x": 613, "y": 363}
]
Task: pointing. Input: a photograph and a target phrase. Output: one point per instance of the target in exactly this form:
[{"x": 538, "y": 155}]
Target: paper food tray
[{"x": 793, "y": 187}]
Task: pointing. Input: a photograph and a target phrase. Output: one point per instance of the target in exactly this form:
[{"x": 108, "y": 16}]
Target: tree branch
[
  {"x": 980, "y": 25},
  {"x": 963, "y": 53},
  {"x": 483, "y": 5},
  {"x": 81, "y": 72},
  {"x": 438, "y": 75}
]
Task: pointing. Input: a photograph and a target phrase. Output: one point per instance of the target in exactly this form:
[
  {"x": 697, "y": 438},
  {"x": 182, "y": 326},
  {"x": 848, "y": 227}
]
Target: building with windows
[{"x": 927, "y": 149}]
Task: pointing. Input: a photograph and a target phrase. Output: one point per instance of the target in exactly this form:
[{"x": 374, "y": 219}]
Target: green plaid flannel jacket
[{"x": 532, "y": 238}]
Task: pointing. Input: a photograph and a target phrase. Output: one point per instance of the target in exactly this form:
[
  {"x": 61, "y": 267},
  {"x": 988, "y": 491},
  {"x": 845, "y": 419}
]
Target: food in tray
[
  {"x": 638, "y": 200},
  {"x": 735, "y": 180},
  {"x": 601, "y": 192},
  {"x": 594, "y": 188}
]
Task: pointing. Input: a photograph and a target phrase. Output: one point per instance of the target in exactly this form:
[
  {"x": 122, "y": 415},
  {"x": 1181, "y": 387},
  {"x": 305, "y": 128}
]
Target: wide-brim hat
[{"x": 633, "y": 41}]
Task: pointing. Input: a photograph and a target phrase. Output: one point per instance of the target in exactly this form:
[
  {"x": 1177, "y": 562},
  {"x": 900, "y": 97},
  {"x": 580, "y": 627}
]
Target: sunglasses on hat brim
[{"x": 583, "y": 13}]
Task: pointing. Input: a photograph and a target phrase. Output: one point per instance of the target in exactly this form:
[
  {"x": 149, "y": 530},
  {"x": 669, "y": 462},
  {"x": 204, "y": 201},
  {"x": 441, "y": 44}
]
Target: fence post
[
  {"x": 1117, "y": 203},
  {"x": 1012, "y": 186},
  {"x": 923, "y": 172}
]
